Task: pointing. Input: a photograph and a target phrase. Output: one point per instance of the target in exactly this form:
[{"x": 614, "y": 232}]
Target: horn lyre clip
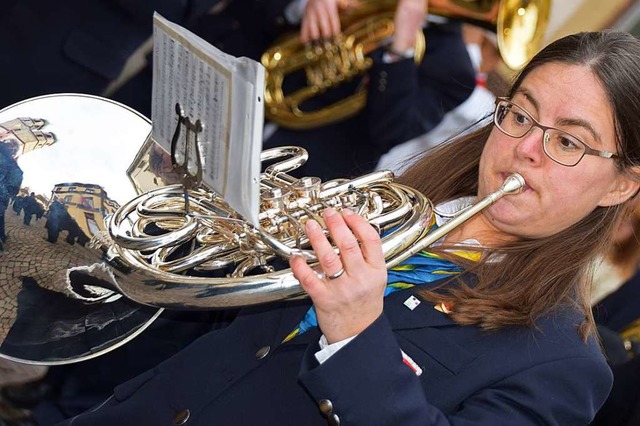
[{"x": 189, "y": 168}]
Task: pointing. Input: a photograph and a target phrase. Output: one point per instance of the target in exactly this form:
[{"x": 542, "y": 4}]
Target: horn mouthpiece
[{"x": 514, "y": 184}]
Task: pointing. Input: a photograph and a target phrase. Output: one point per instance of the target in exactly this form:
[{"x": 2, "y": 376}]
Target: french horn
[
  {"x": 519, "y": 25},
  {"x": 120, "y": 237}
]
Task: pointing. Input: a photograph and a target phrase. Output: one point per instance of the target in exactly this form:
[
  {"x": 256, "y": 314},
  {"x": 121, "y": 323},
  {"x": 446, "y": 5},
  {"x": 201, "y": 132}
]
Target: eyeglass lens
[{"x": 558, "y": 145}]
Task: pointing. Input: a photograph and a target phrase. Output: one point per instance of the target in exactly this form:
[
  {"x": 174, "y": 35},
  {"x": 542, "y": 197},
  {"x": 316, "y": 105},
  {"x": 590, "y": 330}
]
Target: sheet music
[{"x": 226, "y": 94}]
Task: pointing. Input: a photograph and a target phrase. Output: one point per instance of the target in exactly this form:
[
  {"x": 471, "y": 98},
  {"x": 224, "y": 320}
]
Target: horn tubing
[{"x": 188, "y": 292}]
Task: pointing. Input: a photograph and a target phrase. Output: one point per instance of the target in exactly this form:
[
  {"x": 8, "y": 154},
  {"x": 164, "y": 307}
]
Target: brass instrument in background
[
  {"x": 519, "y": 25},
  {"x": 119, "y": 242},
  {"x": 630, "y": 336}
]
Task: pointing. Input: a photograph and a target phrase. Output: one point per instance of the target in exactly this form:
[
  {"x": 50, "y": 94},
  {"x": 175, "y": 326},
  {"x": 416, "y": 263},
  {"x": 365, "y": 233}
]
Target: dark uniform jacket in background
[{"x": 77, "y": 45}]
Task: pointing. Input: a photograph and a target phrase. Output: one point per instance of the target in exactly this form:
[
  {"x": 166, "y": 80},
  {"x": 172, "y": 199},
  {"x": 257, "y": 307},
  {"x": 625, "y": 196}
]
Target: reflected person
[{"x": 10, "y": 181}]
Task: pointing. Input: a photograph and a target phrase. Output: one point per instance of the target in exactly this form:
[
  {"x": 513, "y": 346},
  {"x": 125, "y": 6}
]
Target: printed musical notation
[{"x": 226, "y": 94}]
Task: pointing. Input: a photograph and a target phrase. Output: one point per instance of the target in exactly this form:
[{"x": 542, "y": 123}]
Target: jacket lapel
[
  {"x": 424, "y": 326},
  {"x": 423, "y": 315},
  {"x": 400, "y": 316}
]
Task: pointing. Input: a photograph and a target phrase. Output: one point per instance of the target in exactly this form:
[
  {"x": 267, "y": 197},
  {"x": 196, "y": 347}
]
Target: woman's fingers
[
  {"x": 369, "y": 238},
  {"x": 308, "y": 278},
  {"x": 329, "y": 260},
  {"x": 347, "y": 243},
  {"x": 357, "y": 241},
  {"x": 348, "y": 304}
]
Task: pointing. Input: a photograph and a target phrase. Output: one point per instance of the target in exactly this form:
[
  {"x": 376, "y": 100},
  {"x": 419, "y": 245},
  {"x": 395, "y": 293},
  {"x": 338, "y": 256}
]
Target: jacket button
[
  {"x": 326, "y": 406},
  {"x": 263, "y": 351},
  {"x": 333, "y": 420},
  {"x": 181, "y": 418}
]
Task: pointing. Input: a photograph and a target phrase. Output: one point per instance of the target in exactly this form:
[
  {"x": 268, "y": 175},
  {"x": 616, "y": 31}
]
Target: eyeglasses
[{"x": 560, "y": 146}]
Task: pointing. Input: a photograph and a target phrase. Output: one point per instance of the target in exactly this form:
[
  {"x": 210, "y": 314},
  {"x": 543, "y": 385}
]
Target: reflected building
[
  {"x": 26, "y": 134},
  {"x": 86, "y": 203}
]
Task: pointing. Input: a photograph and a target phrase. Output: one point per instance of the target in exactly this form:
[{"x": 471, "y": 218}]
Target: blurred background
[{"x": 36, "y": 33}]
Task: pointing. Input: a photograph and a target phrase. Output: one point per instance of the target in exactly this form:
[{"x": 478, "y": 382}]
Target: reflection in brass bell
[{"x": 57, "y": 298}]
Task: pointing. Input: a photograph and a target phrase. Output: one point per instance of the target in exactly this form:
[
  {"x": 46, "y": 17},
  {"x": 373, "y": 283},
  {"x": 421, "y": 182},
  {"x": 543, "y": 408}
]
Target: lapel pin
[{"x": 412, "y": 302}]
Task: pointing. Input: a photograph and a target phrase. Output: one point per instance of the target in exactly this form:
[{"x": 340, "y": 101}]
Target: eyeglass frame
[{"x": 535, "y": 123}]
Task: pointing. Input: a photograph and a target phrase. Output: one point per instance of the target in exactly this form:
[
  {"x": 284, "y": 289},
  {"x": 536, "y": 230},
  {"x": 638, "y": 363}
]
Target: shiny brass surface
[
  {"x": 119, "y": 238},
  {"x": 519, "y": 25},
  {"x": 327, "y": 65},
  {"x": 82, "y": 157},
  {"x": 210, "y": 258}
]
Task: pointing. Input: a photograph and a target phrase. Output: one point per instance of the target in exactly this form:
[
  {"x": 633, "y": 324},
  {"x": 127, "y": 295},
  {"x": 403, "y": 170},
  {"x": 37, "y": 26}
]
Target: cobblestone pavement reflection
[{"x": 27, "y": 253}]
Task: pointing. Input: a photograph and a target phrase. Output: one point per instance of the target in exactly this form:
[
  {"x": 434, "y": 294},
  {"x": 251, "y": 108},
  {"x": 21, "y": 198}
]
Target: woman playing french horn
[{"x": 511, "y": 339}]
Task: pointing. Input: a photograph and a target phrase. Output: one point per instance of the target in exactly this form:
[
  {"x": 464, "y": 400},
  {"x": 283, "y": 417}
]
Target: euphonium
[
  {"x": 519, "y": 25},
  {"x": 117, "y": 242}
]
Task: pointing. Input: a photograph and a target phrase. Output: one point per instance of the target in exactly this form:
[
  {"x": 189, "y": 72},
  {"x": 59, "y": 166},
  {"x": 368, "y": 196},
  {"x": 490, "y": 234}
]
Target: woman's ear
[{"x": 626, "y": 186}]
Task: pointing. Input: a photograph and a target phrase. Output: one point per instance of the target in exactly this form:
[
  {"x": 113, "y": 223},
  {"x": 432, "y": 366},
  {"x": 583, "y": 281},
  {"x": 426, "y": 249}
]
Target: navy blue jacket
[
  {"x": 619, "y": 309},
  {"x": 243, "y": 375},
  {"x": 613, "y": 314},
  {"x": 77, "y": 45}
]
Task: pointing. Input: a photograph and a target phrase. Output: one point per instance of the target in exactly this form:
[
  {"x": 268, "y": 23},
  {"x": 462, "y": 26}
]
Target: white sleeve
[{"x": 327, "y": 350}]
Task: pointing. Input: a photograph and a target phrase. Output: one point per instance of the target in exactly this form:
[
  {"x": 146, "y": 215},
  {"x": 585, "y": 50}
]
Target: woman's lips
[{"x": 527, "y": 187}]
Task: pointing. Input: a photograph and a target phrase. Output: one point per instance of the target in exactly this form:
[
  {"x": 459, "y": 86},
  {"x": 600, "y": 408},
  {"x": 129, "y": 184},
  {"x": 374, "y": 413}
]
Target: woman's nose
[{"x": 530, "y": 147}]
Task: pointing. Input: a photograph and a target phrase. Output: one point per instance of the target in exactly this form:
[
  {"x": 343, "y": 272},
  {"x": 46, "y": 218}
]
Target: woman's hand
[
  {"x": 321, "y": 19},
  {"x": 408, "y": 20},
  {"x": 348, "y": 304}
]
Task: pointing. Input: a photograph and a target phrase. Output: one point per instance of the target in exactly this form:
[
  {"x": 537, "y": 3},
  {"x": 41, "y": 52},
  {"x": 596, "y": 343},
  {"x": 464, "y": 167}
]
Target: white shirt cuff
[{"x": 328, "y": 350}]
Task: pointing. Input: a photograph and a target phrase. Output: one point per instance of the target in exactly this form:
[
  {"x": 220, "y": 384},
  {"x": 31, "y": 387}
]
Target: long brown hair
[
  {"x": 624, "y": 253},
  {"x": 536, "y": 276}
]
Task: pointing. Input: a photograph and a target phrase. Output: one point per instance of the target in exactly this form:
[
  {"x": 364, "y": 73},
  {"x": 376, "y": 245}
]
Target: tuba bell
[
  {"x": 121, "y": 239},
  {"x": 519, "y": 25}
]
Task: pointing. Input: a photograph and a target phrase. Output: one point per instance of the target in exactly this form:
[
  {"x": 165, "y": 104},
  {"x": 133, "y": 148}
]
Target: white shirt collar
[{"x": 448, "y": 210}]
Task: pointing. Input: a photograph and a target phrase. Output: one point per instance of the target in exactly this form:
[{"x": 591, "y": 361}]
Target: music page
[{"x": 226, "y": 94}]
